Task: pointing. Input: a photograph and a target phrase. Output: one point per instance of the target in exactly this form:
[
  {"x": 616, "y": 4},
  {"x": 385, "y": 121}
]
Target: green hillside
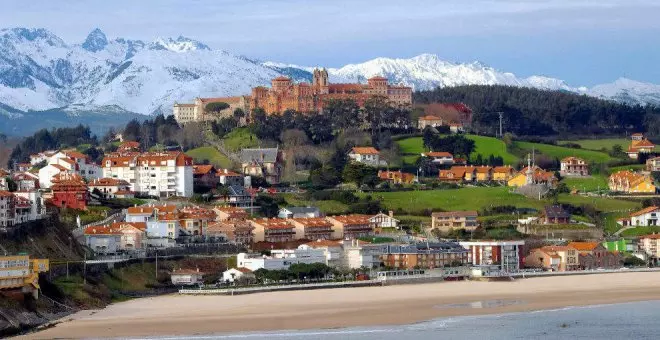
[
  {"x": 560, "y": 152},
  {"x": 598, "y": 144},
  {"x": 211, "y": 154},
  {"x": 412, "y": 147}
]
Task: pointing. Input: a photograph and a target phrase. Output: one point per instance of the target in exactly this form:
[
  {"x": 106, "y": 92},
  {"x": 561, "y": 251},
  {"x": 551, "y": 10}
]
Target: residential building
[
  {"x": 553, "y": 258},
  {"x": 639, "y": 145},
  {"x": 439, "y": 157},
  {"x": 429, "y": 120},
  {"x": 230, "y": 213},
  {"x": 555, "y": 214},
  {"x": 533, "y": 175},
  {"x": 573, "y": 166},
  {"x": 235, "y": 231},
  {"x": 484, "y": 173},
  {"x": 359, "y": 254},
  {"x": 110, "y": 187},
  {"x": 351, "y": 226},
  {"x": 3, "y": 179},
  {"x": 186, "y": 277},
  {"x": 194, "y": 220},
  {"x": 448, "y": 220},
  {"x": 205, "y": 176},
  {"x": 457, "y": 114},
  {"x": 454, "y": 175},
  {"x": 103, "y": 239},
  {"x": 650, "y": 245},
  {"x": 382, "y": 220},
  {"x": 273, "y": 230},
  {"x": 237, "y": 274},
  {"x": 129, "y": 146},
  {"x": 25, "y": 181},
  {"x": 41, "y": 157},
  {"x": 304, "y": 97},
  {"x": 506, "y": 255},
  {"x": 396, "y": 177},
  {"x": 425, "y": 256},
  {"x": 593, "y": 255},
  {"x": 37, "y": 207},
  {"x": 366, "y": 155},
  {"x": 643, "y": 218},
  {"x": 265, "y": 163},
  {"x": 333, "y": 250},
  {"x": 70, "y": 191},
  {"x": 19, "y": 272},
  {"x": 630, "y": 182},
  {"x": 280, "y": 259},
  {"x": 456, "y": 128},
  {"x": 196, "y": 111},
  {"x": 160, "y": 174},
  {"x": 228, "y": 177},
  {"x": 86, "y": 168},
  {"x": 237, "y": 196},
  {"x": 7, "y": 209},
  {"x": 312, "y": 228},
  {"x": 299, "y": 212},
  {"x": 503, "y": 173},
  {"x": 653, "y": 164},
  {"x": 49, "y": 171}
]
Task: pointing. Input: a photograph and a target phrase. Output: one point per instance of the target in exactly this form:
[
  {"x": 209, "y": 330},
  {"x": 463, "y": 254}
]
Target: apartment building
[
  {"x": 425, "y": 256},
  {"x": 351, "y": 226},
  {"x": 280, "y": 259},
  {"x": 448, "y": 220},
  {"x": 593, "y": 255},
  {"x": 161, "y": 174},
  {"x": 650, "y": 245},
  {"x": 312, "y": 228},
  {"x": 507, "y": 255},
  {"x": 273, "y": 230},
  {"x": 553, "y": 258}
]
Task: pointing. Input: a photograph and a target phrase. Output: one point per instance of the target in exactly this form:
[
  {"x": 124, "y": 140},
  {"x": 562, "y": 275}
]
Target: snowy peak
[
  {"x": 96, "y": 41},
  {"x": 628, "y": 91},
  {"x": 25, "y": 35},
  {"x": 180, "y": 45}
]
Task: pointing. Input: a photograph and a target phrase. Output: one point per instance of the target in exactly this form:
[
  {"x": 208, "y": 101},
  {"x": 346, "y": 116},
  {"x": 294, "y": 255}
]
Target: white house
[
  {"x": 440, "y": 157},
  {"x": 37, "y": 206},
  {"x": 231, "y": 275},
  {"x": 280, "y": 259},
  {"x": 110, "y": 187},
  {"x": 384, "y": 221},
  {"x": 103, "y": 239},
  {"x": 366, "y": 155},
  {"x": 646, "y": 217},
  {"x": 186, "y": 277},
  {"x": 25, "y": 181},
  {"x": 299, "y": 212},
  {"x": 357, "y": 254},
  {"x": 161, "y": 174},
  {"x": 47, "y": 173}
]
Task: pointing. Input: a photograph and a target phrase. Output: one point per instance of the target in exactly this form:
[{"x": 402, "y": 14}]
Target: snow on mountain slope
[{"x": 628, "y": 91}]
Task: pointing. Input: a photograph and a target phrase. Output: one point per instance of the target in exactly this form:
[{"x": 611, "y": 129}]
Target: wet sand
[{"x": 346, "y": 307}]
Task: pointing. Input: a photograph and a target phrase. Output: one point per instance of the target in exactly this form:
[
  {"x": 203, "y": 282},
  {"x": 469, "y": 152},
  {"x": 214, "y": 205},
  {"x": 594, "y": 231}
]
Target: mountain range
[{"x": 41, "y": 75}]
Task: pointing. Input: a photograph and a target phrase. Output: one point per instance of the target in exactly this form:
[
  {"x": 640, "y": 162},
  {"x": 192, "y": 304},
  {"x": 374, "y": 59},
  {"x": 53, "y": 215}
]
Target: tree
[
  {"x": 239, "y": 113},
  {"x": 216, "y": 107},
  {"x": 324, "y": 177},
  {"x": 359, "y": 173},
  {"x": 132, "y": 131}
]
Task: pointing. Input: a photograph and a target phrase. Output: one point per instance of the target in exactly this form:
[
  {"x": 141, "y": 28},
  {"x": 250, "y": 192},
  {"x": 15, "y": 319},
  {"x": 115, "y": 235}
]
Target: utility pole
[
  {"x": 156, "y": 265},
  {"x": 501, "y": 114}
]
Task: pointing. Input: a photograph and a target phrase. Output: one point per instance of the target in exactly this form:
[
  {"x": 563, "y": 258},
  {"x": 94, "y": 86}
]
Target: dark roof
[
  {"x": 302, "y": 210},
  {"x": 259, "y": 155},
  {"x": 556, "y": 211}
]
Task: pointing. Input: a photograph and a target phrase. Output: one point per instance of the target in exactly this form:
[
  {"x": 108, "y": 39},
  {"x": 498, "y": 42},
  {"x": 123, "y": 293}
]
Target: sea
[{"x": 636, "y": 320}]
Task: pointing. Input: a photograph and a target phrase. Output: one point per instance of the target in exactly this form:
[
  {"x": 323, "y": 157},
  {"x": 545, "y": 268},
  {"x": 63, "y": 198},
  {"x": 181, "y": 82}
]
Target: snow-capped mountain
[{"x": 40, "y": 71}]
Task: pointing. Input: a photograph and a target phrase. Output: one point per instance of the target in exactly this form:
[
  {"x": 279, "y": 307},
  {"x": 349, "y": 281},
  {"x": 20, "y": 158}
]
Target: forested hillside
[{"x": 533, "y": 112}]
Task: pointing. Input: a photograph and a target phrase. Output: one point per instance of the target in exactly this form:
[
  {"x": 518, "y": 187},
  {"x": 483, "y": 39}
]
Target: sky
[{"x": 582, "y": 42}]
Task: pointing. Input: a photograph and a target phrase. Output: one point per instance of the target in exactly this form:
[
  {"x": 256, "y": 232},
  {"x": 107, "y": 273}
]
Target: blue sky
[{"x": 583, "y": 42}]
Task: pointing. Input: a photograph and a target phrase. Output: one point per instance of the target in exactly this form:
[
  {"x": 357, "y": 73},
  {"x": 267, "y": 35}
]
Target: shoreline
[{"x": 350, "y": 307}]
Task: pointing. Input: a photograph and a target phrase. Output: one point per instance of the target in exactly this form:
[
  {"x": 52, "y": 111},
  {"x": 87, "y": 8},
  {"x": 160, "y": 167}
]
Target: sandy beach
[{"x": 345, "y": 307}]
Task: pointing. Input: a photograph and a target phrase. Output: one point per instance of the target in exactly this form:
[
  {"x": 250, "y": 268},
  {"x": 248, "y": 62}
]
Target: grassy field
[
  {"x": 561, "y": 152},
  {"x": 599, "y": 144},
  {"x": 632, "y": 167},
  {"x": 327, "y": 207},
  {"x": 212, "y": 154},
  {"x": 412, "y": 147},
  {"x": 639, "y": 231},
  {"x": 240, "y": 138},
  {"x": 587, "y": 183}
]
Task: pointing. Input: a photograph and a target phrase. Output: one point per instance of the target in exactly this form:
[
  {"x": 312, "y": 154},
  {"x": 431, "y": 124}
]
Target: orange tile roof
[
  {"x": 644, "y": 211},
  {"x": 501, "y": 169},
  {"x": 583, "y": 246},
  {"x": 138, "y": 225},
  {"x": 377, "y": 78},
  {"x": 429, "y": 117},
  {"x": 484, "y": 169},
  {"x": 438, "y": 154},
  {"x": 75, "y": 154},
  {"x": 4, "y": 193},
  {"x": 243, "y": 270},
  {"x": 323, "y": 244},
  {"x": 108, "y": 182},
  {"x": 202, "y": 169},
  {"x": 365, "y": 150},
  {"x": 313, "y": 222},
  {"x": 352, "y": 219},
  {"x": 102, "y": 230},
  {"x": 226, "y": 172},
  {"x": 274, "y": 223},
  {"x": 651, "y": 236}
]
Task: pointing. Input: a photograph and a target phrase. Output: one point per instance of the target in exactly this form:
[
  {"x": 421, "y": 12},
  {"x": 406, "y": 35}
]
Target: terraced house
[{"x": 630, "y": 182}]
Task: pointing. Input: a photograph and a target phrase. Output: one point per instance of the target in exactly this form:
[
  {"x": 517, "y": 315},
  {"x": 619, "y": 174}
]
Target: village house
[
  {"x": 593, "y": 255},
  {"x": 129, "y": 146},
  {"x": 110, "y": 187},
  {"x": 533, "y": 175},
  {"x": 555, "y": 214},
  {"x": 553, "y": 258},
  {"x": 424, "y": 256},
  {"x": 230, "y": 213},
  {"x": 573, "y": 166},
  {"x": 366, "y": 155},
  {"x": 456, "y": 128},
  {"x": 186, "y": 277},
  {"x": 630, "y": 182},
  {"x": 650, "y": 245},
  {"x": 25, "y": 181},
  {"x": 265, "y": 163},
  {"x": 160, "y": 174},
  {"x": 237, "y": 274},
  {"x": 234, "y": 231},
  {"x": 382, "y": 220},
  {"x": 49, "y": 171},
  {"x": 639, "y": 145},
  {"x": 506, "y": 255},
  {"x": 456, "y": 174},
  {"x": 273, "y": 230},
  {"x": 312, "y": 228},
  {"x": 484, "y": 173},
  {"x": 103, "y": 239},
  {"x": 439, "y": 157},
  {"x": 351, "y": 226},
  {"x": 503, "y": 173},
  {"x": 194, "y": 220},
  {"x": 41, "y": 157},
  {"x": 69, "y": 191},
  {"x": 3, "y": 179},
  {"x": 205, "y": 176},
  {"x": 37, "y": 206},
  {"x": 237, "y": 196},
  {"x": 448, "y": 220},
  {"x": 646, "y": 217},
  {"x": 653, "y": 164},
  {"x": 280, "y": 259},
  {"x": 333, "y": 250},
  {"x": 429, "y": 120},
  {"x": 228, "y": 177},
  {"x": 396, "y": 177}
]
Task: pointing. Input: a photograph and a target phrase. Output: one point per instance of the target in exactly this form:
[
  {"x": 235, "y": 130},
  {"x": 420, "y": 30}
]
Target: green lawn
[
  {"x": 599, "y": 144},
  {"x": 211, "y": 154},
  {"x": 561, "y": 152},
  {"x": 639, "y": 231},
  {"x": 412, "y": 147},
  {"x": 586, "y": 183},
  {"x": 240, "y": 138},
  {"x": 328, "y": 207},
  {"x": 610, "y": 221},
  {"x": 632, "y": 167}
]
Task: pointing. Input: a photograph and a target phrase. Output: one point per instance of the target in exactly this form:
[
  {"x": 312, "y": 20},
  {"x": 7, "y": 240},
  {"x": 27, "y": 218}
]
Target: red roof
[
  {"x": 365, "y": 150},
  {"x": 438, "y": 154}
]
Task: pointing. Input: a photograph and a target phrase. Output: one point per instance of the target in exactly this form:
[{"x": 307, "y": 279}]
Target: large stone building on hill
[{"x": 196, "y": 112}]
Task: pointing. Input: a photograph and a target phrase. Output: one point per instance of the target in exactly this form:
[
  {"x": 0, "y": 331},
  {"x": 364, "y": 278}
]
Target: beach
[{"x": 177, "y": 315}]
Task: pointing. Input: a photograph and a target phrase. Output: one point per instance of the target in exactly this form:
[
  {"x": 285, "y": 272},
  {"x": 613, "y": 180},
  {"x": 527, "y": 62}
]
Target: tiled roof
[
  {"x": 455, "y": 213},
  {"x": 259, "y": 155},
  {"x": 365, "y": 150},
  {"x": 313, "y": 222},
  {"x": 438, "y": 154},
  {"x": 556, "y": 211},
  {"x": 430, "y": 117},
  {"x": 644, "y": 211},
  {"x": 352, "y": 219},
  {"x": 502, "y": 169},
  {"x": 274, "y": 223},
  {"x": 583, "y": 246},
  {"x": 651, "y": 236},
  {"x": 108, "y": 182},
  {"x": 202, "y": 169},
  {"x": 243, "y": 270},
  {"x": 323, "y": 244}
]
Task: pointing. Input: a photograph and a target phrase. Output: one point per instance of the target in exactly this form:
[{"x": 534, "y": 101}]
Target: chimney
[{"x": 226, "y": 170}]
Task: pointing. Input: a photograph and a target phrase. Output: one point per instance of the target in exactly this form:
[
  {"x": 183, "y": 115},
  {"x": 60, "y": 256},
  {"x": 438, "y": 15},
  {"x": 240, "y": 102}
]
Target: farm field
[
  {"x": 411, "y": 148},
  {"x": 561, "y": 152},
  {"x": 586, "y": 184},
  {"x": 639, "y": 231},
  {"x": 598, "y": 144},
  {"x": 211, "y": 154}
]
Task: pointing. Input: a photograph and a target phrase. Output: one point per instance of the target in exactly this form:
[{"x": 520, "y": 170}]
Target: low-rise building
[
  {"x": 484, "y": 173},
  {"x": 228, "y": 177},
  {"x": 70, "y": 191},
  {"x": 351, "y": 226},
  {"x": 266, "y": 163},
  {"x": 533, "y": 175},
  {"x": 593, "y": 255},
  {"x": 366, "y": 155},
  {"x": 425, "y": 256},
  {"x": 194, "y": 220},
  {"x": 25, "y": 181},
  {"x": 429, "y": 120},
  {"x": 630, "y": 182},
  {"x": 506, "y": 255},
  {"x": 448, "y": 220},
  {"x": 273, "y": 230},
  {"x": 103, "y": 239},
  {"x": 280, "y": 259},
  {"x": 110, "y": 187},
  {"x": 503, "y": 173},
  {"x": 19, "y": 272},
  {"x": 235, "y": 231},
  {"x": 653, "y": 164},
  {"x": 230, "y": 213},
  {"x": 555, "y": 214},
  {"x": 312, "y": 228},
  {"x": 573, "y": 166},
  {"x": 646, "y": 217},
  {"x": 333, "y": 250},
  {"x": 20, "y": 207},
  {"x": 439, "y": 157},
  {"x": 650, "y": 245},
  {"x": 237, "y": 274},
  {"x": 186, "y": 277},
  {"x": 639, "y": 145},
  {"x": 382, "y": 220},
  {"x": 299, "y": 212},
  {"x": 396, "y": 177},
  {"x": 553, "y": 258}
]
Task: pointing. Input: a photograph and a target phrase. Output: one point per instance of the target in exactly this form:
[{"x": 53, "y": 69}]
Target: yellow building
[
  {"x": 484, "y": 173},
  {"x": 631, "y": 182},
  {"x": 19, "y": 272},
  {"x": 503, "y": 173},
  {"x": 538, "y": 176}
]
